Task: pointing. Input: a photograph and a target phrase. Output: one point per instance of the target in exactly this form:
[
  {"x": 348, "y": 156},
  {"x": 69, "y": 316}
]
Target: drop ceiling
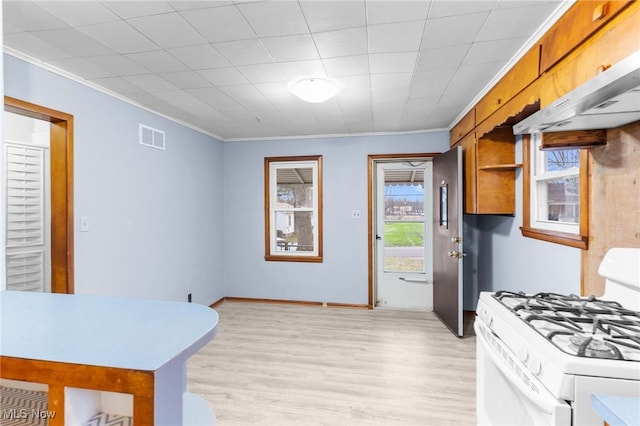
[{"x": 223, "y": 67}]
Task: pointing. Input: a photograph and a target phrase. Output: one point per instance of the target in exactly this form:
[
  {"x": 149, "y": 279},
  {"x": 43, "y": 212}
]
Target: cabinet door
[
  {"x": 575, "y": 26},
  {"x": 608, "y": 47},
  {"x": 495, "y": 176}
]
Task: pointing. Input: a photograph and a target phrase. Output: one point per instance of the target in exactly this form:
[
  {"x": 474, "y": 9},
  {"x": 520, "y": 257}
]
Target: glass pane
[
  {"x": 295, "y": 187},
  {"x": 563, "y": 159},
  {"x": 562, "y": 201},
  {"x": 295, "y": 231},
  {"x": 404, "y": 228}
]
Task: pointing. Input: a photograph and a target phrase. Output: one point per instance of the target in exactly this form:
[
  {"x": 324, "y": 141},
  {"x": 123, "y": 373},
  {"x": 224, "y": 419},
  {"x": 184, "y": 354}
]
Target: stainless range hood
[{"x": 609, "y": 100}]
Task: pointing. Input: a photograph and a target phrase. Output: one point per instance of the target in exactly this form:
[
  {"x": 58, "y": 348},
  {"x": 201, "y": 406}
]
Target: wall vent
[{"x": 151, "y": 137}]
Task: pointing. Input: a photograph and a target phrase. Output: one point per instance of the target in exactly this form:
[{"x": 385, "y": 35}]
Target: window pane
[
  {"x": 404, "y": 228},
  {"x": 562, "y": 159},
  {"x": 295, "y": 231},
  {"x": 562, "y": 200},
  {"x": 295, "y": 187}
]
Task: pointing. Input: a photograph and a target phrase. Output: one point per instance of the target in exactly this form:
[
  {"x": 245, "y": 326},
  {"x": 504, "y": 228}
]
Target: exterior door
[
  {"x": 447, "y": 239},
  {"x": 403, "y": 235}
]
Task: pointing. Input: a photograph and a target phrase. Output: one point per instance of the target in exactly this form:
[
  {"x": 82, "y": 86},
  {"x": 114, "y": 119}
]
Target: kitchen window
[
  {"x": 293, "y": 208},
  {"x": 555, "y": 193}
]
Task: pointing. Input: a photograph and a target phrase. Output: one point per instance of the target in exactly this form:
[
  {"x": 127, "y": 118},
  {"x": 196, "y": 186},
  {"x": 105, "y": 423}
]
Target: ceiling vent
[{"x": 151, "y": 137}]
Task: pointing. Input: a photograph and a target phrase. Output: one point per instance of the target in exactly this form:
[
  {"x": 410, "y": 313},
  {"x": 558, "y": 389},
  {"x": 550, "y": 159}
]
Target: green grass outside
[{"x": 404, "y": 234}]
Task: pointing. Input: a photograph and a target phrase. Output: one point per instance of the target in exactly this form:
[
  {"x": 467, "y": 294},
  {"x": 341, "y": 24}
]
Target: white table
[{"x": 132, "y": 346}]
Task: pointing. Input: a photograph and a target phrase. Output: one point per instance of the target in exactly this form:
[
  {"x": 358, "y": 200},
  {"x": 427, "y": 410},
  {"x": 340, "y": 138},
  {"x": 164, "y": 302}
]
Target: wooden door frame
[
  {"x": 371, "y": 160},
  {"x": 61, "y": 153}
]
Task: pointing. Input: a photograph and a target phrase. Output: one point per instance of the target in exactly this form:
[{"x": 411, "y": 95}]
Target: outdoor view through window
[{"x": 403, "y": 225}]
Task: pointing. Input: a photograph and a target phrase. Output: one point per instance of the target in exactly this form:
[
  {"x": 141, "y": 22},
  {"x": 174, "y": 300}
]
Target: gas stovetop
[{"x": 581, "y": 326}]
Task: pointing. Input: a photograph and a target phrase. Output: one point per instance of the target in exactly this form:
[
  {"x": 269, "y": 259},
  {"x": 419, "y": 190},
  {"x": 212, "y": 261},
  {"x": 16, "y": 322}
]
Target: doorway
[
  {"x": 60, "y": 176},
  {"x": 400, "y": 218}
]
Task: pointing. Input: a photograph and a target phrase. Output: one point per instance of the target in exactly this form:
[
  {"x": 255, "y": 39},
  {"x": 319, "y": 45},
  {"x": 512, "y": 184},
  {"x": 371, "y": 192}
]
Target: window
[
  {"x": 293, "y": 208},
  {"x": 555, "y": 193}
]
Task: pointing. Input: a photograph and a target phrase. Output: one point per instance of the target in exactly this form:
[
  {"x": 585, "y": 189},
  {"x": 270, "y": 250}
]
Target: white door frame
[{"x": 371, "y": 163}]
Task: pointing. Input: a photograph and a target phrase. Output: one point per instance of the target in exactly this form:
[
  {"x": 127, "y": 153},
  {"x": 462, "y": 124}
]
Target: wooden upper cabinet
[
  {"x": 468, "y": 144},
  {"x": 520, "y": 76},
  {"x": 605, "y": 48},
  {"x": 575, "y": 26},
  {"x": 464, "y": 126}
]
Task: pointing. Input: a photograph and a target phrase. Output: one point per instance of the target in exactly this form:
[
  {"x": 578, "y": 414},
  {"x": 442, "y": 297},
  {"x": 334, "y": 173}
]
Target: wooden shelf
[{"x": 500, "y": 167}]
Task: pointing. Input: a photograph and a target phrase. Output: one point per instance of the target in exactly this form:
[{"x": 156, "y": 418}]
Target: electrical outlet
[
  {"x": 324, "y": 304},
  {"x": 355, "y": 214}
]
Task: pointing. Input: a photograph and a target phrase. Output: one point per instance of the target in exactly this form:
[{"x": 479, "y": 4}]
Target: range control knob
[
  {"x": 523, "y": 354},
  {"x": 535, "y": 366}
]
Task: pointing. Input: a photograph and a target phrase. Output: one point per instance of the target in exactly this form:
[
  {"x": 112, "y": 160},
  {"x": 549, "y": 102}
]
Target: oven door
[{"x": 507, "y": 394}]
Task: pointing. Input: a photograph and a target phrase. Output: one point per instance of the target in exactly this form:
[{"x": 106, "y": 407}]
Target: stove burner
[{"x": 590, "y": 347}]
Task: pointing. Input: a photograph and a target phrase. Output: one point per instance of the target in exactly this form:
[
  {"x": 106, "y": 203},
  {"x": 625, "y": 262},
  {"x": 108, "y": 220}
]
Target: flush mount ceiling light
[{"x": 314, "y": 90}]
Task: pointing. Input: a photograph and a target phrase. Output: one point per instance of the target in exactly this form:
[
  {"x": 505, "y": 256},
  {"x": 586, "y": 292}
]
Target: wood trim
[
  {"x": 371, "y": 159},
  {"x": 59, "y": 375},
  {"x": 62, "y": 218},
  {"x": 290, "y": 302},
  {"x": 319, "y": 210},
  {"x": 574, "y": 139},
  {"x": 580, "y": 241}
]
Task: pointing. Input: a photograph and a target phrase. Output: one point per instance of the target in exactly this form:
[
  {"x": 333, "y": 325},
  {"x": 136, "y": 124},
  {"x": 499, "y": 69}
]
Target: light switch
[{"x": 84, "y": 223}]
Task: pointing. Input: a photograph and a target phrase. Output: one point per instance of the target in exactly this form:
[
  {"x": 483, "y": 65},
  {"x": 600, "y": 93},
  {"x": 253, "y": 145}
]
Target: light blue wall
[
  {"x": 342, "y": 277},
  {"x": 190, "y": 219},
  {"x": 155, "y": 216}
]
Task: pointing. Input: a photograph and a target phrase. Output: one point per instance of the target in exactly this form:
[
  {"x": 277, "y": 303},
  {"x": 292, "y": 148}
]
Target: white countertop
[{"x": 102, "y": 331}]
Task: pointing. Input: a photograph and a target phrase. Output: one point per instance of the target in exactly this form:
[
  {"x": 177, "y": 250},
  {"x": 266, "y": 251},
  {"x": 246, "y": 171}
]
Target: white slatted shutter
[{"x": 25, "y": 168}]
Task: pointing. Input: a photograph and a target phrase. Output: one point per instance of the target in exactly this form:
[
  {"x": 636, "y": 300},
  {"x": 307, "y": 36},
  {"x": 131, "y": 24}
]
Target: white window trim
[{"x": 538, "y": 204}]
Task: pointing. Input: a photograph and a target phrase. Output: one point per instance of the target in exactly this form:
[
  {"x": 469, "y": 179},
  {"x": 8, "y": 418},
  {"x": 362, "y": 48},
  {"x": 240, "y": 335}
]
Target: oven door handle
[{"x": 547, "y": 406}]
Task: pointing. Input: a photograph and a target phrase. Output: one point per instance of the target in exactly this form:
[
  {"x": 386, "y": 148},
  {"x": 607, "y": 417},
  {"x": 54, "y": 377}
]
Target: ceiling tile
[
  {"x": 444, "y": 57},
  {"x": 291, "y": 48},
  {"x": 199, "y": 57},
  {"x": 220, "y": 23},
  {"x": 150, "y": 83},
  {"x": 224, "y": 76},
  {"x": 75, "y": 42},
  {"x": 397, "y": 37},
  {"x": 513, "y": 22},
  {"x": 78, "y": 13},
  {"x": 198, "y": 4},
  {"x": 441, "y": 9},
  {"x": 186, "y": 79},
  {"x": 167, "y": 30},
  {"x": 159, "y": 61},
  {"x": 431, "y": 82},
  {"x": 218, "y": 100},
  {"x": 274, "y": 18},
  {"x": 452, "y": 31},
  {"x": 262, "y": 73},
  {"x": 492, "y": 51},
  {"x": 274, "y": 90},
  {"x": 34, "y": 46},
  {"x": 119, "y": 65},
  {"x": 383, "y": 12},
  {"x": 27, "y": 16},
  {"x": 333, "y": 15},
  {"x": 244, "y": 92},
  {"x": 132, "y": 9},
  {"x": 341, "y": 43},
  {"x": 116, "y": 84},
  {"x": 347, "y": 65},
  {"x": 119, "y": 36},
  {"x": 392, "y": 62},
  {"x": 244, "y": 52},
  {"x": 301, "y": 69},
  {"x": 80, "y": 67}
]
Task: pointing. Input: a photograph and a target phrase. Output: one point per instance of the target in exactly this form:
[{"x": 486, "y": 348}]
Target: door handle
[
  {"x": 378, "y": 237},
  {"x": 456, "y": 254}
]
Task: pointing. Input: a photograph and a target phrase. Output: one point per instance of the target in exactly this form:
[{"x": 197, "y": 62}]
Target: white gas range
[{"x": 541, "y": 357}]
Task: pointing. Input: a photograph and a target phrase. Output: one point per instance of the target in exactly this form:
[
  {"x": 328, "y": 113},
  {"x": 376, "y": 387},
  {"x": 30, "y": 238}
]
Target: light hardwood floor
[{"x": 273, "y": 364}]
